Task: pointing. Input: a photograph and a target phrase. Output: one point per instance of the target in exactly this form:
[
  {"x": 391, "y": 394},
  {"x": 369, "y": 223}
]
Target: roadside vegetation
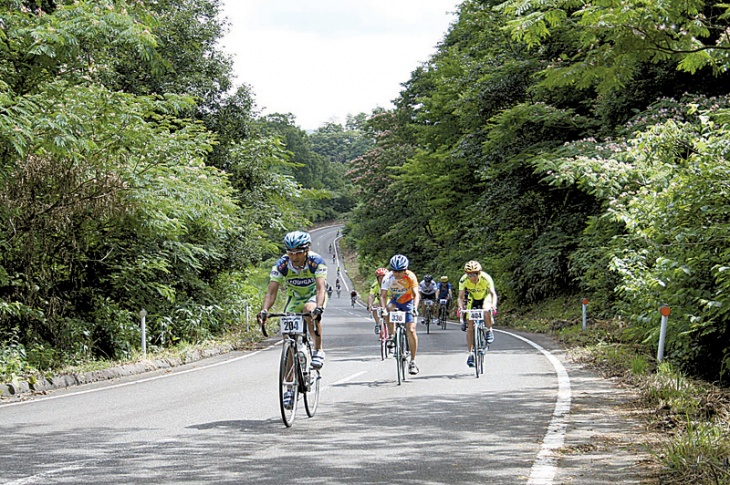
[{"x": 573, "y": 148}]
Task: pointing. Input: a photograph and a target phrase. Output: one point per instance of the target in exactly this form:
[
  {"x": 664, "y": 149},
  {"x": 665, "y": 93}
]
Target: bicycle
[
  {"x": 443, "y": 312},
  {"x": 427, "y": 304},
  {"x": 353, "y": 300},
  {"x": 382, "y": 335},
  {"x": 338, "y": 292},
  {"x": 295, "y": 373},
  {"x": 480, "y": 338},
  {"x": 401, "y": 352}
]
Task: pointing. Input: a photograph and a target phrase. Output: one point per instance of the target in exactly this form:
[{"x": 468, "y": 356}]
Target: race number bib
[
  {"x": 428, "y": 302},
  {"x": 292, "y": 324},
  {"x": 477, "y": 314},
  {"x": 443, "y": 301},
  {"x": 397, "y": 317}
]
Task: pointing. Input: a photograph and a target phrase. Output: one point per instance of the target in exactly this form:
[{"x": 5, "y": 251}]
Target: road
[{"x": 217, "y": 421}]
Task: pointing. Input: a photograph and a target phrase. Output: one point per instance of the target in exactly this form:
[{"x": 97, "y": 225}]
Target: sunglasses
[
  {"x": 296, "y": 253},
  {"x": 473, "y": 274}
]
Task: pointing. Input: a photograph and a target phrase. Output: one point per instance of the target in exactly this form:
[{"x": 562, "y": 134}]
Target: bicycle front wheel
[
  {"x": 427, "y": 317},
  {"x": 311, "y": 397},
  {"x": 288, "y": 383},
  {"x": 477, "y": 346}
]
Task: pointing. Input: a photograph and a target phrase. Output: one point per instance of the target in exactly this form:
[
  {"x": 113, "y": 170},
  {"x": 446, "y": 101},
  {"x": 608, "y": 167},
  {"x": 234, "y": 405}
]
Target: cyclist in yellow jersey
[
  {"x": 482, "y": 295},
  {"x": 375, "y": 295}
]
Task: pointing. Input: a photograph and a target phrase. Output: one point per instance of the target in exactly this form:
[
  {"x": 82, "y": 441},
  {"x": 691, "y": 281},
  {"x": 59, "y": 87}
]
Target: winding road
[{"x": 217, "y": 421}]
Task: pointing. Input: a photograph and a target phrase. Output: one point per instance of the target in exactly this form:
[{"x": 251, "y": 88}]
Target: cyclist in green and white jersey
[{"x": 303, "y": 273}]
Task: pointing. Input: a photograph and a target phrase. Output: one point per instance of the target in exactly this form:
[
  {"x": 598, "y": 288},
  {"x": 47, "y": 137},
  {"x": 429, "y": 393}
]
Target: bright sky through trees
[{"x": 324, "y": 59}]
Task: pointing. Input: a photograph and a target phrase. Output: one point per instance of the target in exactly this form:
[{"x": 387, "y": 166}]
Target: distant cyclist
[
  {"x": 481, "y": 295},
  {"x": 445, "y": 292},
  {"x": 428, "y": 289},
  {"x": 375, "y": 294},
  {"x": 338, "y": 287},
  {"x": 399, "y": 291},
  {"x": 329, "y": 290},
  {"x": 353, "y": 297},
  {"x": 303, "y": 273}
]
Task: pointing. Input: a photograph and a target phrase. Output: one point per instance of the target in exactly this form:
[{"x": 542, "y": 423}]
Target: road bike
[
  {"x": 443, "y": 312},
  {"x": 296, "y": 376},
  {"x": 481, "y": 346},
  {"x": 427, "y": 304},
  {"x": 401, "y": 351},
  {"x": 382, "y": 335}
]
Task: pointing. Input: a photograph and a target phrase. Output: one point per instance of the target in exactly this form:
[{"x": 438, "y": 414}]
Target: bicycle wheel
[
  {"x": 427, "y": 317},
  {"x": 482, "y": 347},
  {"x": 443, "y": 317},
  {"x": 288, "y": 382},
  {"x": 311, "y": 397},
  {"x": 477, "y": 354},
  {"x": 397, "y": 353},
  {"x": 404, "y": 354}
]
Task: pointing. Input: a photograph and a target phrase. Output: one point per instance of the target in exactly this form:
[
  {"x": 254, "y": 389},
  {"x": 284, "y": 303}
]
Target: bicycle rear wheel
[
  {"x": 288, "y": 383},
  {"x": 311, "y": 397}
]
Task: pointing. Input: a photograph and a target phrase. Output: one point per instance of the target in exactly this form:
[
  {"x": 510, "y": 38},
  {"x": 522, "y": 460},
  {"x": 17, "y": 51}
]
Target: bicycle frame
[
  {"x": 443, "y": 313},
  {"x": 427, "y": 305},
  {"x": 383, "y": 335}
]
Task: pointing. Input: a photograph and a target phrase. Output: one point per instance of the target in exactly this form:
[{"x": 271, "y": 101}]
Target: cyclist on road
[
  {"x": 338, "y": 287},
  {"x": 375, "y": 293},
  {"x": 400, "y": 291},
  {"x": 303, "y": 273},
  {"x": 481, "y": 295},
  {"x": 329, "y": 290},
  {"x": 353, "y": 297},
  {"x": 428, "y": 289},
  {"x": 445, "y": 292}
]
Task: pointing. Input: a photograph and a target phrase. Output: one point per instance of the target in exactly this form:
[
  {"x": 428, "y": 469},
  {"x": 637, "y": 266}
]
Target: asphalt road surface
[{"x": 217, "y": 421}]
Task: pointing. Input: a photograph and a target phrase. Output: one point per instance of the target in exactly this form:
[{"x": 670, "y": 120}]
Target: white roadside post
[
  {"x": 584, "y": 302},
  {"x": 664, "y": 311},
  {"x": 143, "y": 315}
]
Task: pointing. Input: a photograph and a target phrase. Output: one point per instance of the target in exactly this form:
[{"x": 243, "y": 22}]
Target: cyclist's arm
[
  {"x": 460, "y": 302},
  {"x": 270, "y": 297},
  {"x": 321, "y": 291}
]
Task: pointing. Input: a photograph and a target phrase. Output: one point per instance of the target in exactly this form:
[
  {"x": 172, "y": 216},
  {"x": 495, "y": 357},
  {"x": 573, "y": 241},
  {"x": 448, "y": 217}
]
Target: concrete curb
[{"x": 18, "y": 389}]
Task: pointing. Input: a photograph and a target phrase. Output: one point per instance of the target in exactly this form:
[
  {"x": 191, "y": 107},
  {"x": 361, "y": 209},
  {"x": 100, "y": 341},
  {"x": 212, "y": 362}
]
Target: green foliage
[{"x": 114, "y": 198}]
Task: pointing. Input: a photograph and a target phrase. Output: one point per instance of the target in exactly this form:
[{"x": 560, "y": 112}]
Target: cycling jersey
[
  {"x": 443, "y": 290},
  {"x": 428, "y": 291},
  {"x": 479, "y": 290},
  {"x": 375, "y": 288},
  {"x": 301, "y": 285},
  {"x": 400, "y": 290}
]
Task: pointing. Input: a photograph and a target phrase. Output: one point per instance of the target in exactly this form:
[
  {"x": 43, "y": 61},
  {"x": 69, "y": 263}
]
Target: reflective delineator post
[
  {"x": 143, "y": 316},
  {"x": 664, "y": 311},
  {"x": 584, "y": 302}
]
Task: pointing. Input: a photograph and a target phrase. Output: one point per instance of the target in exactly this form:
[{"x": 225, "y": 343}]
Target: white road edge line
[
  {"x": 347, "y": 379},
  {"x": 545, "y": 466}
]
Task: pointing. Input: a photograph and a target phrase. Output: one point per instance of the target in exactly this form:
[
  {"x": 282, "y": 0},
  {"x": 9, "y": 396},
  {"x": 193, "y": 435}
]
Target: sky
[{"x": 324, "y": 59}]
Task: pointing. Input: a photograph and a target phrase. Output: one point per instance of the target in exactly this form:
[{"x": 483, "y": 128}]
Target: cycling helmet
[
  {"x": 472, "y": 267},
  {"x": 427, "y": 278},
  {"x": 297, "y": 240},
  {"x": 444, "y": 279},
  {"x": 398, "y": 262},
  {"x": 380, "y": 271}
]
